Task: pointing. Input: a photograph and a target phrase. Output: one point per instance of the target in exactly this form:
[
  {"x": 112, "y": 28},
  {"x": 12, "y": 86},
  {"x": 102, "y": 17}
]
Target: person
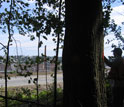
[{"x": 116, "y": 74}]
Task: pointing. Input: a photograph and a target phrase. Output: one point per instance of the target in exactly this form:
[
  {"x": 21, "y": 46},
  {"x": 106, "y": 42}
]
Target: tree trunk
[{"x": 83, "y": 72}]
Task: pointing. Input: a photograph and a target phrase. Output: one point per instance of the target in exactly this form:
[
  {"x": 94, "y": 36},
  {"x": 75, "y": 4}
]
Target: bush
[{"x": 46, "y": 97}]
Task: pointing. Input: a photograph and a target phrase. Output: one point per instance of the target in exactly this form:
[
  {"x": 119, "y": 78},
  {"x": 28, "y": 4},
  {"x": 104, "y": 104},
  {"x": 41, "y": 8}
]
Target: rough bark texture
[{"x": 82, "y": 55}]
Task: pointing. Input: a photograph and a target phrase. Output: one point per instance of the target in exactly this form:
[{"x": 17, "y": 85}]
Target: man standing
[{"x": 117, "y": 75}]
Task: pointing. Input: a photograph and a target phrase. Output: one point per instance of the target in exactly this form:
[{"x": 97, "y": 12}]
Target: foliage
[
  {"x": 109, "y": 93},
  {"x": 109, "y": 24},
  {"x": 20, "y": 17},
  {"x": 42, "y": 19},
  {"x": 45, "y": 96}
]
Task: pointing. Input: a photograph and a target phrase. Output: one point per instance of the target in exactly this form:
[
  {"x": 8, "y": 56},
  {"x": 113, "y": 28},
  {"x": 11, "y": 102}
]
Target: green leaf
[
  {"x": 32, "y": 37},
  {"x": 35, "y": 79},
  {"x": 9, "y": 78},
  {"x": 44, "y": 37},
  {"x": 29, "y": 81},
  {"x": 26, "y": 4},
  {"x": 4, "y": 31},
  {"x": 40, "y": 44}
]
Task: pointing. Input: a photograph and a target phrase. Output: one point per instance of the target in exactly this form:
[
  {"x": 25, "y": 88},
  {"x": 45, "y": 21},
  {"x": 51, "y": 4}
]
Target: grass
[{"x": 29, "y": 93}]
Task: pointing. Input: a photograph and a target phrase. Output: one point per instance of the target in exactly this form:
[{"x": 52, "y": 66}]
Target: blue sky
[
  {"x": 29, "y": 48},
  {"x": 25, "y": 45},
  {"x": 118, "y": 15}
]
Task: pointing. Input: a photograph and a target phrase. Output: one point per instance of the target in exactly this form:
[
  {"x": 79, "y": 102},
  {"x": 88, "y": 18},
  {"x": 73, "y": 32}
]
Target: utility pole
[{"x": 45, "y": 66}]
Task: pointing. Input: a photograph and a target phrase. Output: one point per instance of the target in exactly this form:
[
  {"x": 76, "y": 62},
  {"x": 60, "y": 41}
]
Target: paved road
[{"x": 22, "y": 81}]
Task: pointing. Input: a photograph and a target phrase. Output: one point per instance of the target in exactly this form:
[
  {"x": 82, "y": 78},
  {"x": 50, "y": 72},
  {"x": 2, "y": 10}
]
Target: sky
[
  {"x": 23, "y": 44},
  {"x": 118, "y": 15},
  {"x": 29, "y": 48}
]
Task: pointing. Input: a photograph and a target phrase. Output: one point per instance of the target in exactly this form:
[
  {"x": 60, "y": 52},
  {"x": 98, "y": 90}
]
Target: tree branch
[
  {"x": 21, "y": 100},
  {"x": 3, "y": 45}
]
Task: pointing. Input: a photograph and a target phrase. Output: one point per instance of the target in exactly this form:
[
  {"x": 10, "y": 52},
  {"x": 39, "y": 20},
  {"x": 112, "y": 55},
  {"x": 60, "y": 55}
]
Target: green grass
[{"x": 29, "y": 93}]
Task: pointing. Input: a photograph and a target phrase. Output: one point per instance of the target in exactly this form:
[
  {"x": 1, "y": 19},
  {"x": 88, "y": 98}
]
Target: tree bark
[{"x": 83, "y": 72}]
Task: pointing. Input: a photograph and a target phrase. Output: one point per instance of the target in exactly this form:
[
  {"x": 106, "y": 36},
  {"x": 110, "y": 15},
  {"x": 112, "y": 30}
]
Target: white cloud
[
  {"x": 118, "y": 14},
  {"x": 28, "y": 47},
  {"x": 31, "y": 46},
  {"x": 30, "y": 1}
]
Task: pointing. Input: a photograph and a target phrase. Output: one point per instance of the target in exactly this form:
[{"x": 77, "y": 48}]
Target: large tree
[{"x": 82, "y": 55}]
